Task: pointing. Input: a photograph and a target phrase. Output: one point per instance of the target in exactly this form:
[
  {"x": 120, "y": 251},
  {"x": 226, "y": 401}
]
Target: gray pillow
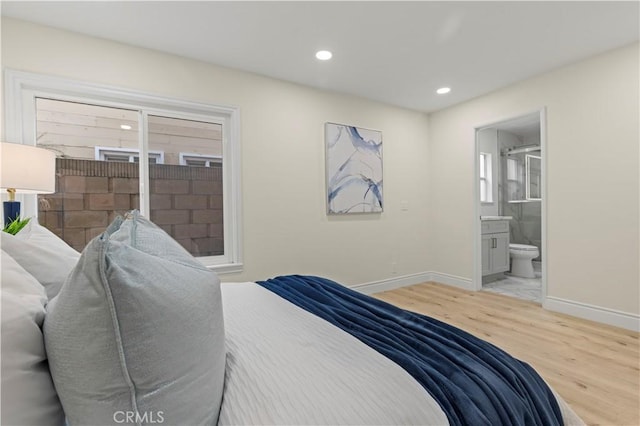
[
  {"x": 137, "y": 330},
  {"x": 43, "y": 254},
  {"x": 28, "y": 395}
]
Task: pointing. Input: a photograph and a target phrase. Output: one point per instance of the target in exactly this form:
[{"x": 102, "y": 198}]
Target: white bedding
[{"x": 287, "y": 366}]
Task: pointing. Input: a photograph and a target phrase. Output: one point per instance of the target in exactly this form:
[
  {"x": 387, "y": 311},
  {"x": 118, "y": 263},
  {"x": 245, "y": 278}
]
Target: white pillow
[
  {"x": 35, "y": 232},
  {"x": 28, "y": 396},
  {"x": 45, "y": 256},
  {"x": 137, "y": 328}
]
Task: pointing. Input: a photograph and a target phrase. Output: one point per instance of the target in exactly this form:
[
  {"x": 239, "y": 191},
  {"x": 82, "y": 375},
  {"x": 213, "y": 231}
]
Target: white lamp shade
[{"x": 28, "y": 169}]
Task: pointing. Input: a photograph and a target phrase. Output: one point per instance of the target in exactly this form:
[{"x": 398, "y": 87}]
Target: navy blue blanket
[{"x": 474, "y": 382}]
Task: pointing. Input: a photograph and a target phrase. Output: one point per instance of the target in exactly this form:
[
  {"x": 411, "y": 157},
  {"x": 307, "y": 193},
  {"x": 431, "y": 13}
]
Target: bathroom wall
[
  {"x": 526, "y": 225},
  {"x": 488, "y": 143}
]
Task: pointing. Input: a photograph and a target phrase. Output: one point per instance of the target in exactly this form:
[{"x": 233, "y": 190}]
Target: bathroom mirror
[{"x": 533, "y": 177}]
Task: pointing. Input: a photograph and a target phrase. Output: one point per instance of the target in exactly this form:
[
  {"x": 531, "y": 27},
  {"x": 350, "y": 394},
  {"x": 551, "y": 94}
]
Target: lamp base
[{"x": 11, "y": 211}]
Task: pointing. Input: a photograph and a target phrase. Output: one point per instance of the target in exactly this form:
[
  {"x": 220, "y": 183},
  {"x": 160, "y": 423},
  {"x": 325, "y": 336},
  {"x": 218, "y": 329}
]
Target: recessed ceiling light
[
  {"x": 323, "y": 55},
  {"x": 443, "y": 90},
  {"x": 125, "y": 127}
]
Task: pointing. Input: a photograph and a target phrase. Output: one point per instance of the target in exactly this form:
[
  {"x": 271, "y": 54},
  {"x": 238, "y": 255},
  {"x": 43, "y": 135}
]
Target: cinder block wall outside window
[{"x": 185, "y": 201}]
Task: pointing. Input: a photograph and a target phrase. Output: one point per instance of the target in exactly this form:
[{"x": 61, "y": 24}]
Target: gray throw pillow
[
  {"x": 136, "y": 332},
  {"x": 28, "y": 395}
]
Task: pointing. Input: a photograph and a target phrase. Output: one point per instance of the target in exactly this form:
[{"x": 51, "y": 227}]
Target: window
[
  {"x": 486, "y": 195},
  {"x": 126, "y": 155},
  {"x": 118, "y": 150},
  {"x": 199, "y": 160}
]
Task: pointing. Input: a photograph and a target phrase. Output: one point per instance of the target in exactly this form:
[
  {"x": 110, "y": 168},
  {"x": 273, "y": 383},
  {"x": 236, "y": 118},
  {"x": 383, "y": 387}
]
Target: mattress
[{"x": 286, "y": 365}]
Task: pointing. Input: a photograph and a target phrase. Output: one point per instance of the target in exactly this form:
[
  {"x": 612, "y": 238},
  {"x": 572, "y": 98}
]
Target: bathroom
[{"x": 511, "y": 185}]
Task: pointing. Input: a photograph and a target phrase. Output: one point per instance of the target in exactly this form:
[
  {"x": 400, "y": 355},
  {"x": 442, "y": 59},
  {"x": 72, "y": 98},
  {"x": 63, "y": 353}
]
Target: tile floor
[{"x": 522, "y": 288}]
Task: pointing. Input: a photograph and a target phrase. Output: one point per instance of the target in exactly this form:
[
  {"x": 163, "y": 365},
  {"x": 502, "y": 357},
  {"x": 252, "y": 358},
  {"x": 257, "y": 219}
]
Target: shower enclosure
[{"x": 521, "y": 188}]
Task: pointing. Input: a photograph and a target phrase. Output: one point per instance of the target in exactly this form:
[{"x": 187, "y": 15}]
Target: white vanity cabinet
[{"x": 495, "y": 246}]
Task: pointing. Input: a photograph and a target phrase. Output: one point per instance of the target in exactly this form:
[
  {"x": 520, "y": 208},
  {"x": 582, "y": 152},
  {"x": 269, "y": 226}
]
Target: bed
[{"x": 135, "y": 331}]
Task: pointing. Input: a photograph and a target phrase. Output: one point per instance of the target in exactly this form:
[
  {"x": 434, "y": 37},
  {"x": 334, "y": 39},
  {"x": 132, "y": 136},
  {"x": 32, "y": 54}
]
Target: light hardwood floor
[{"x": 594, "y": 367}]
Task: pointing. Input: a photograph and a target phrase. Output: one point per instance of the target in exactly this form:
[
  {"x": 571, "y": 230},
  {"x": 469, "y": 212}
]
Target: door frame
[{"x": 477, "y": 226}]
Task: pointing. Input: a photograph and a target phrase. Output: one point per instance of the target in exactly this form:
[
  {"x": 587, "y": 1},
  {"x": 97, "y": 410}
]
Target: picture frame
[{"x": 354, "y": 177}]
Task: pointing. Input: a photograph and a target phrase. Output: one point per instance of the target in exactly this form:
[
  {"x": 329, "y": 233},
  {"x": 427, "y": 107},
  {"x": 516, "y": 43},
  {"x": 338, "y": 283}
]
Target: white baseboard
[
  {"x": 407, "y": 280},
  {"x": 452, "y": 280},
  {"x": 581, "y": 310},
  {"x": 593, "y": 313},
  {"x": 392, "y": 283}
]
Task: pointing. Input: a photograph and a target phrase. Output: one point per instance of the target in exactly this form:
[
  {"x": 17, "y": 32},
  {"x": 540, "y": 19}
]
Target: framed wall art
[{"x": 354, "y": 169}]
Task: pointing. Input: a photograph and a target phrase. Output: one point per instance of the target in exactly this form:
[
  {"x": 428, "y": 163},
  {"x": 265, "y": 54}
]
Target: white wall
[
  {"x": 592, "y": 148},
  {"x": 592, "y": 177},
  {"x": 286, "y": 229}
]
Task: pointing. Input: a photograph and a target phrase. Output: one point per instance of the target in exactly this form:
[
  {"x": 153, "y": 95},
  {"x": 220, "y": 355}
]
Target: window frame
[
  {"x": 22, "y": 89},
  {"x": 101, "y": 151},
  {"x": 186, "y": 156},
  {"x": 486, "y": 177}
]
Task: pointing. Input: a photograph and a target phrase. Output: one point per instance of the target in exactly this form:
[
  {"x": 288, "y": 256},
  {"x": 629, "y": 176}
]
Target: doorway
[{"x": 510, "y": 255}]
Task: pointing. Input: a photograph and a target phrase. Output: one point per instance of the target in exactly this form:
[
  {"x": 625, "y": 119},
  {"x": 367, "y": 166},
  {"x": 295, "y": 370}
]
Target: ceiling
[
  {"x": 394, "y": 52},
  {"x": 523, "y": 126}
]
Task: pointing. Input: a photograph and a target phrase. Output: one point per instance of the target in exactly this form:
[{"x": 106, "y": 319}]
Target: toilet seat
[{"x": 522, "y": 247}]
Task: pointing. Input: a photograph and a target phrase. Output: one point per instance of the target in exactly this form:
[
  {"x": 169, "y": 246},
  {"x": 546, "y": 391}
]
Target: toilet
[{"x": 522, "y": 256}]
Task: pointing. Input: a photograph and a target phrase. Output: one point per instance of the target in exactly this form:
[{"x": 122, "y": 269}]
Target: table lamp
[{"x": 27, "y": 170}]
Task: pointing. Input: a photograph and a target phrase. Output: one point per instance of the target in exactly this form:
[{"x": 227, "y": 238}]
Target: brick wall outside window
[{"x": 185, "y": 201}]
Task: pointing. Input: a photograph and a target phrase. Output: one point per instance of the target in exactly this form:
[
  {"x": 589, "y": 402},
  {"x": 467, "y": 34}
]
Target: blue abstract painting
[{"x": 354, "y": 169}]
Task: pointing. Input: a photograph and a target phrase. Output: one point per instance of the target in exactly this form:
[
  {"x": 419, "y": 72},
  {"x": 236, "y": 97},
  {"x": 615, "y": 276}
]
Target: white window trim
[
  {"x": 101, "y": 151},
  {"x": 186, "y": 156},
  {"x": 22, "y": 89}
]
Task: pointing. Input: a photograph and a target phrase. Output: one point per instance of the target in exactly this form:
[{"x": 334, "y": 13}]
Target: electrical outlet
[{"x": 394, "y": 268}]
